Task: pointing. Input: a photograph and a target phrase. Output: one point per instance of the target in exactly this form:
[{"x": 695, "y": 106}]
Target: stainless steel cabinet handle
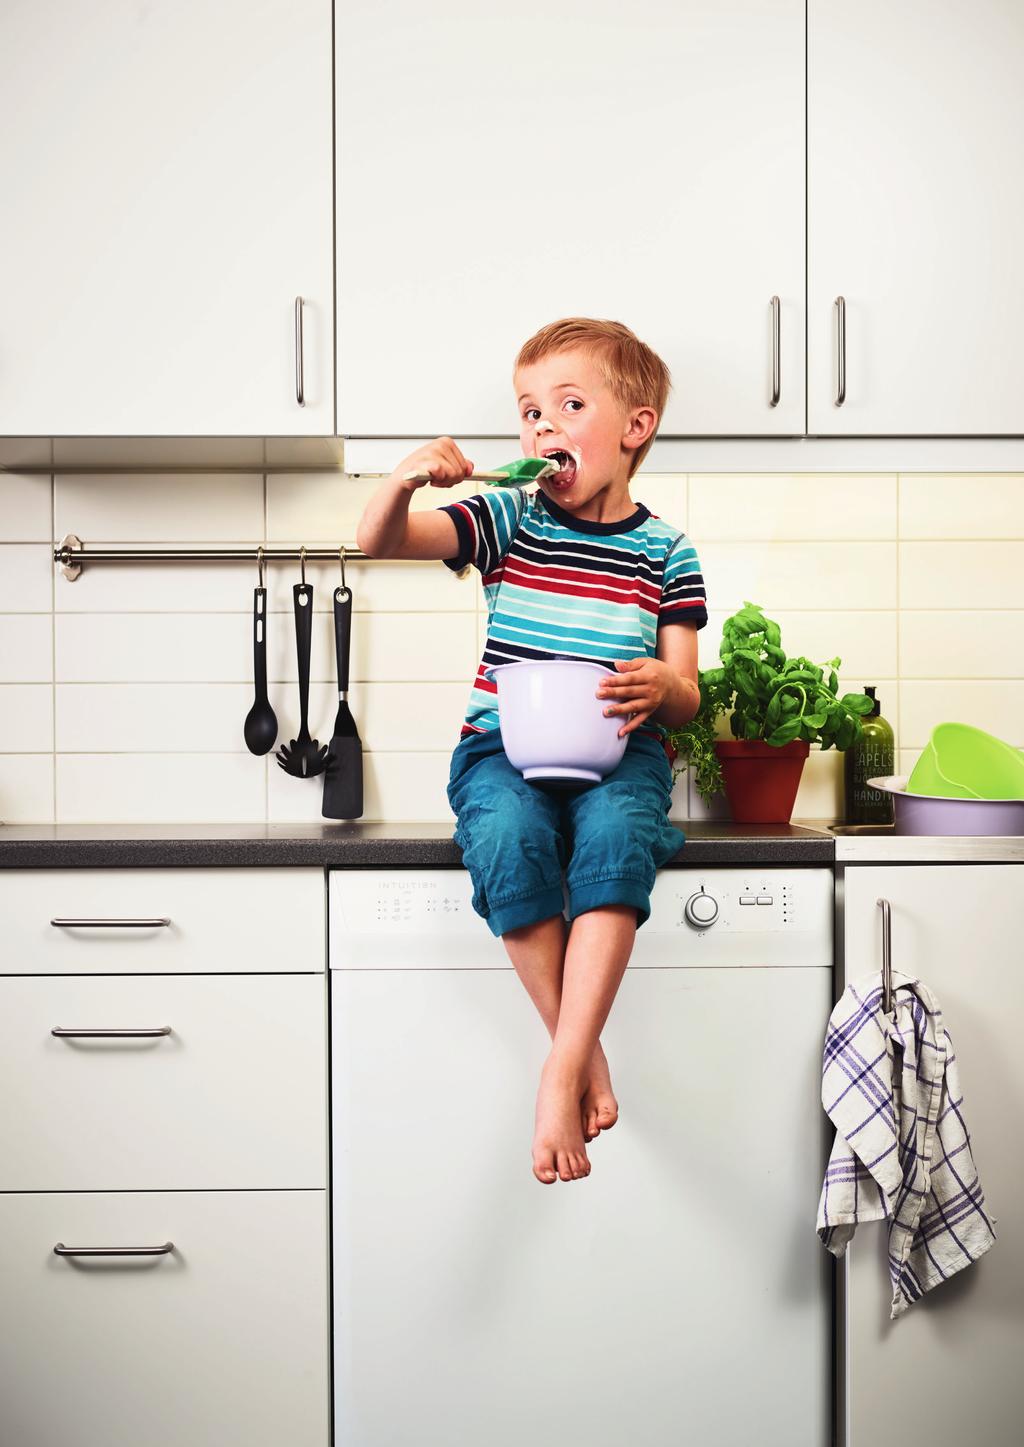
[
  {"x": 146, "y": 1033},
  {"x": 776, "y": 356},
  {"x": 886, "y": 909},
  {"x": 300, "y": 393},
  {"x": 61, "y": 1250},
  {"x": 110, "y": 923},
  {"x": 840, "y": 350}
]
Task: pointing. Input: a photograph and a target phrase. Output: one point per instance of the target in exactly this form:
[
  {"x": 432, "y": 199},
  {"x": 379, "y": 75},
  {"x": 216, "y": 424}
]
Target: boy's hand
[
  {"x": 441, "y": 458},
  {"x": 640, "y": 692}
]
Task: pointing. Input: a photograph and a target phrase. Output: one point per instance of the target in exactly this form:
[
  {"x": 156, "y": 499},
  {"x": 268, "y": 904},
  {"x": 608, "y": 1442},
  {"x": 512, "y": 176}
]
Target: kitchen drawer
[
  {"x": 224, "y": 1339},
  {"x": 233, "y": 1097},
  {"x": 219, "y": 921}
]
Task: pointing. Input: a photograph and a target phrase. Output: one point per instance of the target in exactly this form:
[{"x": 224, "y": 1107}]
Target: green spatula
[{"x": 513, "y": 474}]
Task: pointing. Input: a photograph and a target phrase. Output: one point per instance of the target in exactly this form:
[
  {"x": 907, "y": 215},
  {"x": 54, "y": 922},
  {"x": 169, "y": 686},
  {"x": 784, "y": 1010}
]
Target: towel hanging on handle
[{"x": 902, "y": 1151}]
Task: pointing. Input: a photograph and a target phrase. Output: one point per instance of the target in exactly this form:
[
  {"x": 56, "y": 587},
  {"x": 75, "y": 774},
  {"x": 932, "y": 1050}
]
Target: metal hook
[
  {"x": 259, "y": 563},
  {"x": 341, "y": 555},
  {"x": 302, "y": 564}
]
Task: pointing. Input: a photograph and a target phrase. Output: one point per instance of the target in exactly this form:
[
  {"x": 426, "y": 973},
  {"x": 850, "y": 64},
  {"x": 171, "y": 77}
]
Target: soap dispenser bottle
[{"x": 872, "y": 756}]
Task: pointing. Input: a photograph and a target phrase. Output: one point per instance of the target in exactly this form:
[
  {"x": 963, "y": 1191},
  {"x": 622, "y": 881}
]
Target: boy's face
[{"x": 565, "y": 404}]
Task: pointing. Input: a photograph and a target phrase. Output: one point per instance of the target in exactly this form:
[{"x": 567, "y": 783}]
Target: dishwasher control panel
[{"x": 424, "y": 918}]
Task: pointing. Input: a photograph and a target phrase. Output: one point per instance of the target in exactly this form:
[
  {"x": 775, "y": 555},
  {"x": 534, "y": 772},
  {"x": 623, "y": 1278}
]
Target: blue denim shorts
[{"x": 517, "y": 837}]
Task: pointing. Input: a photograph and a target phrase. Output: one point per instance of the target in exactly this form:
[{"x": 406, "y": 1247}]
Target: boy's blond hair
[{"x": 635, "y": 375}]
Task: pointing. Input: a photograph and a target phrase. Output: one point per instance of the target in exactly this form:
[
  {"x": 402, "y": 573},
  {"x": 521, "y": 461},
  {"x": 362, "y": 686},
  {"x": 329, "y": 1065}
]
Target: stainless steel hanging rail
[{"x": 72, "y": 554}]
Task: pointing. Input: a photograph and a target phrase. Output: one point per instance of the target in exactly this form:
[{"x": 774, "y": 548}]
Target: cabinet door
[
  {"x": 957, "y": 927},
  {"x": 233, "y": 1096},
  {"x": 915, "y": 119},
  {"x": 222, "y": 1340},
  {"x": 166, "y": 182},
  {"x": 500, "y": 168}
]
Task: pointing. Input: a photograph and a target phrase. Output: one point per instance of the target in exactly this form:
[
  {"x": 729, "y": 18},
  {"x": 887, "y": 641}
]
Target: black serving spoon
[
  {"x": 304, "y": 758},
  {"x": 260, "y": 726}
]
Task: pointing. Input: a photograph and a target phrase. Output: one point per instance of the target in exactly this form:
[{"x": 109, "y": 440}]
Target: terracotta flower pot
[{"x": 761, "y": 781}]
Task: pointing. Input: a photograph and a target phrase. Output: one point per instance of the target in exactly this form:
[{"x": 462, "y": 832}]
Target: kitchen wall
[{"x": 122, "y": 695}]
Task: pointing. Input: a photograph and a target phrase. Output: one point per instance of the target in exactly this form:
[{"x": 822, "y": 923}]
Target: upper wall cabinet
[
  {"x": 499, "y": 167},
  {"x": 165, "y": 173},
  {"x": 916, "y": 217}
]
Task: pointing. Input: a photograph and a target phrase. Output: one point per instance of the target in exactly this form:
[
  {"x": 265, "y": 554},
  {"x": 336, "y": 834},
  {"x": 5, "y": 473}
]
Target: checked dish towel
[{"x": 902, "y": 1151}]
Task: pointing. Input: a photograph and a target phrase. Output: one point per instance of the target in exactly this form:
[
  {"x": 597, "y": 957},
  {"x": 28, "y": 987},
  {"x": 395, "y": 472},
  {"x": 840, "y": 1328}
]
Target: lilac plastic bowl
[
  {"x": 932, "y": 814},
  {"x": 552, "y": 725}
]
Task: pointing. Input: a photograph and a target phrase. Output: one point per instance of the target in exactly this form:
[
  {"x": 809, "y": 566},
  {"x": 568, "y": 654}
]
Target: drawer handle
[
  {"x": 840, "y": 306},
  {"x": 300, "y": 388},
  {"x": 776, "y": 354},
  {"x": 61, "y": 1250},
  {"x": 144, "y": 1034},
  {"x": 110, "y": 923}
]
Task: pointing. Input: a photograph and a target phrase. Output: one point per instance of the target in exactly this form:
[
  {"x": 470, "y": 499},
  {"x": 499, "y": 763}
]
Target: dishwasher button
[
  {"x": 747, "y": 899},
  {"x": 765, "y": 899}
]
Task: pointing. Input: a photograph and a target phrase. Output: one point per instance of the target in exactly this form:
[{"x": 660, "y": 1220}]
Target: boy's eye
[
  {"x": 573, "y": 400},
  {"x": 526, "y": 414}
]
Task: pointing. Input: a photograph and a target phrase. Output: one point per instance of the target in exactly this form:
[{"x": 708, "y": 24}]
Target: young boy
[{"x": 574, "y": 569}]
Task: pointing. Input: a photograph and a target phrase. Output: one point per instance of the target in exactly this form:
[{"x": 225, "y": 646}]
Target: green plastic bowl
[{"x": 961, "y": 762}]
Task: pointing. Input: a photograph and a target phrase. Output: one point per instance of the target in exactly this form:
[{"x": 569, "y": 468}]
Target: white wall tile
[
  {"x": 26, "y": 578},
  {"x": 173, "y": 788},
  {"x": 996, "y": 707},
  {"x": 984, "y": 644},
  {"x": 956, "y": 506},
  {"x": 26, "y": 647},
  {"x": 152, "y": 717},
  {"x": 26, "y": 503},
  {"x": 962, "y": 575},
  {"x": 855, "y": 506},
  {"x": 143, "y": 507},
  {"x": 26, "y": 789},
  {"x": 799, "y": 575},
  {"x": 154, "y": 648},
  {"x": 26, "y": 718},
  {"x": 396, "y": 786}
]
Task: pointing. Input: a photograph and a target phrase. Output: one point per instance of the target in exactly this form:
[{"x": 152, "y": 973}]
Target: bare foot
[
  {"x": 558, "y": 1149},
  {"x": 599, "y": 1110}
]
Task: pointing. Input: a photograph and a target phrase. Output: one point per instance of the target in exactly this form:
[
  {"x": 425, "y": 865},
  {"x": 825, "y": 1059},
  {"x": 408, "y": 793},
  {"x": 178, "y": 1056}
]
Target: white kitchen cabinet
[
  {"x": 167, "y": 191},
  {"x": 161, "y": 921},
  {"x": 498, "y": 169},
  {"x": 220, "y": 1340},
  {"x": 915, "y": 218},
  {"x": 956, "y": 927},
  {"x": 232, "y": 1097}
]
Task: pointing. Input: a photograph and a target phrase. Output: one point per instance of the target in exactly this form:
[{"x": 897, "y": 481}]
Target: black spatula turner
[{"x": 343, "y": 778}]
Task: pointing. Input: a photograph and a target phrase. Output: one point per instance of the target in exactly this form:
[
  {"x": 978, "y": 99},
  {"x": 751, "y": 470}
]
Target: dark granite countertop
[{"x": 354, "y": 845}]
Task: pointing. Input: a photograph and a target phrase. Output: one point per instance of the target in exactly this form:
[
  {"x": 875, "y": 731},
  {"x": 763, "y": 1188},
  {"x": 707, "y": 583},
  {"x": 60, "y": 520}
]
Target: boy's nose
[{"x": 543, "y": 426}]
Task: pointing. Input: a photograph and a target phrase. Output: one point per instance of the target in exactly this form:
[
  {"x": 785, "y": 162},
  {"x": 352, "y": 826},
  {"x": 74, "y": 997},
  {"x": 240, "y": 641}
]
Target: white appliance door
[{"x": 678, "y": 1295}]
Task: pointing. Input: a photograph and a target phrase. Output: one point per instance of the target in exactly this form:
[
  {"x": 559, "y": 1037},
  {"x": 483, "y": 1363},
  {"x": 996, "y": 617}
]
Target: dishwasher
[{"x": 677, "y": 1295}]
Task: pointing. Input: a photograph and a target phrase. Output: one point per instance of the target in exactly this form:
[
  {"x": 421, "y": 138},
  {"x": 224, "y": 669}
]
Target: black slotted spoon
[{"x": 304, "y": 757}]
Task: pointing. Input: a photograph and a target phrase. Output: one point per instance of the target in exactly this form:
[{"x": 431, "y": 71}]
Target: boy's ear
[{"x": 641, "y": 423}]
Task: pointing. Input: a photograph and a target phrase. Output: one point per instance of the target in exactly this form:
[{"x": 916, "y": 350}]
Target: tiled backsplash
[{"x": 122, "y": 695}]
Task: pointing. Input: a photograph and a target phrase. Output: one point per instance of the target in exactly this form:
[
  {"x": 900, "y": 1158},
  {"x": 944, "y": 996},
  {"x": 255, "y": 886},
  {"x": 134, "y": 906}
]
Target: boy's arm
[
  {"x": 388, "y": 530},
  {"x": 663, "y": 688},
  {"x": 677, "y": 649}
]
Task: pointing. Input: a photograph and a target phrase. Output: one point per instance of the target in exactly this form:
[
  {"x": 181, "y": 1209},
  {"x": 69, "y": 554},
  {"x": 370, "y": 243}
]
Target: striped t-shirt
[{"x": 560, "y": 586}]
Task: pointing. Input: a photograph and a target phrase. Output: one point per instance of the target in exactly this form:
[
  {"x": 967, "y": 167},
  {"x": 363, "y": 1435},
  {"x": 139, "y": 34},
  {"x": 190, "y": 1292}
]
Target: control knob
[{"x": 701, "y": 910}]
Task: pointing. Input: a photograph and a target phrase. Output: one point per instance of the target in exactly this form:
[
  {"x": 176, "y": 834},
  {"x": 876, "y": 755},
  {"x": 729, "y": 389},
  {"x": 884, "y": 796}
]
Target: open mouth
[{"x": 567, "y": 467}]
